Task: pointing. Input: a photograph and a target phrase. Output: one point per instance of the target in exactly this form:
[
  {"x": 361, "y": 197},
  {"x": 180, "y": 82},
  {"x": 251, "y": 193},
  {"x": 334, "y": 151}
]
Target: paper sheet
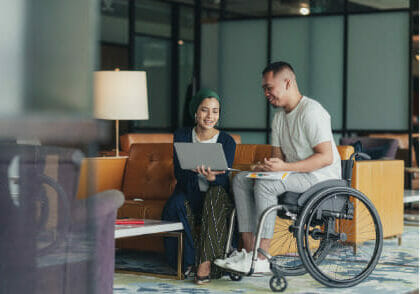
[{"x": 269, "y": 175}]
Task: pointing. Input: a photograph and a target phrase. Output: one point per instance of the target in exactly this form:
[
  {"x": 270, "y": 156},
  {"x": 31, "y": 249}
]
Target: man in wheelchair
[{"x": 302, "y": 142}]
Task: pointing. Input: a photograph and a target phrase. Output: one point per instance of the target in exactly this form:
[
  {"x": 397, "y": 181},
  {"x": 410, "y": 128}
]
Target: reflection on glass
[
  {"x": 153, "y": 55},
  {"x": 252, "y": 137},
  {"x": 317, "y": 64},
  {"x": 186, "y": 23},
  {"x": 242, "y": 60},
  {"x": 378, "y": 71},
  {"x": 372, "y": 5},
  {"x": 306, "y": 7},
  {"x": 246, "y": 8},
  {"x": 186, "y": 62},
  {"x": 153, "y": 18},
  {"x": 114, "y": 21}
]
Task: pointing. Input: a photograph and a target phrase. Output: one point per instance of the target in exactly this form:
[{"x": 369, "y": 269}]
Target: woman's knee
[{"x": 174, "y": 205}]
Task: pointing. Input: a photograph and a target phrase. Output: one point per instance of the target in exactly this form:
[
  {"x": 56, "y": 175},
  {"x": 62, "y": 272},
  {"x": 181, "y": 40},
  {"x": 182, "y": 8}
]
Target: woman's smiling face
[{"x": 207, "y": 114}]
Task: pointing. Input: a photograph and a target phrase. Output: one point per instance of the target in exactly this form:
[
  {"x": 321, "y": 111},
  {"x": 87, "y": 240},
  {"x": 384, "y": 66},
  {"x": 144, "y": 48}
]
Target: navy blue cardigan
[{"x": 187, "y": 180}]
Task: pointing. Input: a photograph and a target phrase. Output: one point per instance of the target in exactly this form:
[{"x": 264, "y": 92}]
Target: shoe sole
[
  {"x": 202, "y": 282},
  {"x": 219, "y": 263}
]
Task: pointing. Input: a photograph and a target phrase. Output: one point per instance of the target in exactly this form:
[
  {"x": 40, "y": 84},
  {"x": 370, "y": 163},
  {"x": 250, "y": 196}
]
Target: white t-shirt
[
  {"x": 298, "y": 131},
  {"x": 203, "y": 184}
]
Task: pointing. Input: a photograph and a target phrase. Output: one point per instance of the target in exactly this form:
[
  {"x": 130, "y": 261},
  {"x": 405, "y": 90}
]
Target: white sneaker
[
  {"x": 241, "y": 264},
  {"x": 236, "y": 255},
  {"x": 261, "y": 266}
]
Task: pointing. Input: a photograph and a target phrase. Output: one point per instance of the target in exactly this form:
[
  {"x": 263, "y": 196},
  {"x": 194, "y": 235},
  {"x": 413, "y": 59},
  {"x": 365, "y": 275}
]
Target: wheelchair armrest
[
  {"x": 360, "y": 155},
  {"x": 318, "y": 187}
]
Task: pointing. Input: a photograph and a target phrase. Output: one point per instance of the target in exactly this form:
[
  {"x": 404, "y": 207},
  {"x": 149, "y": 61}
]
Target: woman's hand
[{"x": 208, "y": 173}]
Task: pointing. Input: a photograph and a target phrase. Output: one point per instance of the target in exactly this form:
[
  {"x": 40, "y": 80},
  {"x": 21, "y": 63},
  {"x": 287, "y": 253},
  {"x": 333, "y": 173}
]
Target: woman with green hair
[{"x": 201, "y": 196}]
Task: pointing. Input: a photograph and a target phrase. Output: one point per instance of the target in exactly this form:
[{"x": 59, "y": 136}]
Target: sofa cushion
[
  {"x": 129, "y": 139},
  {"x": 134, "y": 138},
  {"x": 149, "y": 172}
]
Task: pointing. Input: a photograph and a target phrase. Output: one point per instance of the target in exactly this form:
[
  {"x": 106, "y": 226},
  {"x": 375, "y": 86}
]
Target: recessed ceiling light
[{"x": 304, "y": 10}]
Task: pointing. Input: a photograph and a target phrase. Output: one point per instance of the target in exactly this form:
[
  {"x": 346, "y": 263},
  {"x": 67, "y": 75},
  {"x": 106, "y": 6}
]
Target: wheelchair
[{"x": 331, "y": 231}]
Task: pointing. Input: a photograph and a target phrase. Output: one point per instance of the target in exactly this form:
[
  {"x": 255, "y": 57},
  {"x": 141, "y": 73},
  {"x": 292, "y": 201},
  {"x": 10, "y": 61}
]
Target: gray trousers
[{"x": 252, "y": 197}]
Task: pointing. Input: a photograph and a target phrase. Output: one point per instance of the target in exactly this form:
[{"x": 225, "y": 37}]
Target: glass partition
[
  {"x": 186, "y": 61},
  {"x": 153, "y": 55},
  {"x": 153, "y": 18},
  {"x": 210, "y": 56},
  {"x": 378, "y": 71},
  {"x": 375, "y": 5},
  {"x": 251, "y": 137},
  {"x": 241, "y": 60},
  {"x": 114, "y": 22},
  {"x": 314, "y": 48},
  {"x": 306, "y": 7}
]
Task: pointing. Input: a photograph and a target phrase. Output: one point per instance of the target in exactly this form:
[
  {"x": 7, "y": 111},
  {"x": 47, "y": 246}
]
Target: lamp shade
[{"x": 120, "y": 95}]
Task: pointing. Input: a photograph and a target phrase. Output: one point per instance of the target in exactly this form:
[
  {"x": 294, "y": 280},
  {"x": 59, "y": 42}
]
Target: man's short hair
[{"x": 277, "y": 67}]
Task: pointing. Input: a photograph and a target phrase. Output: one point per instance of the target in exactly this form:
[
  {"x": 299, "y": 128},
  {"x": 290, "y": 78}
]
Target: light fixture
[
  {"x": 120, "y": 95},
  {"x": 304, "y": 10}
]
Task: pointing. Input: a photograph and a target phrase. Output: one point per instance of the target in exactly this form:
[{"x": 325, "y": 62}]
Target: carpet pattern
[{"x": 397, "y": 272}]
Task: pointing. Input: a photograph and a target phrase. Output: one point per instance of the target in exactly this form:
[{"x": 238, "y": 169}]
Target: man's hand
[
  {"x": 208, "y": 173},
  {"x": 257, "y": 167},
  {"x": 274, "y": 164}
]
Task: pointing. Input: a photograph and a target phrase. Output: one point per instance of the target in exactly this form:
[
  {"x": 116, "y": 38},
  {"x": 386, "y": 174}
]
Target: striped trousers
[{"x": 210, "y": 240}]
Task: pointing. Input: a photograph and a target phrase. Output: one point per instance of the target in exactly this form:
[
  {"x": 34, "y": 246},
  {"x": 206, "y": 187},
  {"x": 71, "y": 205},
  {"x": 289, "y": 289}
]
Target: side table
[{"x": 158, "y": 227}]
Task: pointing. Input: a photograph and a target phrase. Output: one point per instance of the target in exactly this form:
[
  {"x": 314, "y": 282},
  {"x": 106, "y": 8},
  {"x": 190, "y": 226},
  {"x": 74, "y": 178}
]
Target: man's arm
[{"x": 323, "y": 156}]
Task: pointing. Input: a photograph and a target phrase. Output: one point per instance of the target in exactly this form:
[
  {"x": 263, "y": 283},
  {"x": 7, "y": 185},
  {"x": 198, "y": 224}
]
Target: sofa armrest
[
  {"x": 382, "y": 181},
  {"x": 98, "y": 174}
]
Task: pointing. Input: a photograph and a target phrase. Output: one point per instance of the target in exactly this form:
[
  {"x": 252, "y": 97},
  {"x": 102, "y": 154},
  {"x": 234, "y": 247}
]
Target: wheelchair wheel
[
  {"x": 278, "y": 284},
  {"x": 235, "y": 277},
  {"x": 351, "y": 253},
  {"x": 287, "y": 262}
]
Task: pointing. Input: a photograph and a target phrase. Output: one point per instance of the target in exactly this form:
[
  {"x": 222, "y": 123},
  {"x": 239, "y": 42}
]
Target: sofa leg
[{"x": 399, "y": 240}]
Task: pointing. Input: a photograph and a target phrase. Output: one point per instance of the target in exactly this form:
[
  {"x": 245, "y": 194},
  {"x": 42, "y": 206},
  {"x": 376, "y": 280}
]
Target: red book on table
[{"x": 129, "y": 221}]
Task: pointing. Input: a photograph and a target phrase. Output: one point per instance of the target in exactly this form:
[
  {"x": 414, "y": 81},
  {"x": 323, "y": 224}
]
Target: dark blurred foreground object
[{"x": 49, "y": 241}]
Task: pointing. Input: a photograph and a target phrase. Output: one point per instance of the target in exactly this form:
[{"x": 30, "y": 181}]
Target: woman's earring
[{"x": 195, "y": 118}]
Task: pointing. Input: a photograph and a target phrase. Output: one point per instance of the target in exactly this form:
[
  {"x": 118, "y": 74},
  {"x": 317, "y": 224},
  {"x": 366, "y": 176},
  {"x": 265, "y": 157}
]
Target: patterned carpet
[{"x": 397, "y": 272}]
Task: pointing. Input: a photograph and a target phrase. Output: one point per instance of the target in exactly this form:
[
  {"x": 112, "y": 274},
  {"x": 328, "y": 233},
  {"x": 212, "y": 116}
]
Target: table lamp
[{"x": 120, "y": 95}]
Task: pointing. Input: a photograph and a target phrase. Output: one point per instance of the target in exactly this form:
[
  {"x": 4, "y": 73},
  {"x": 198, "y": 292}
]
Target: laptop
[{"x": 191, "y": 155}]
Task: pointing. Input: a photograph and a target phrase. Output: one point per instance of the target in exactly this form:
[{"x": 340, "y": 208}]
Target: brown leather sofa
[{"x": 146, "y": 179}]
